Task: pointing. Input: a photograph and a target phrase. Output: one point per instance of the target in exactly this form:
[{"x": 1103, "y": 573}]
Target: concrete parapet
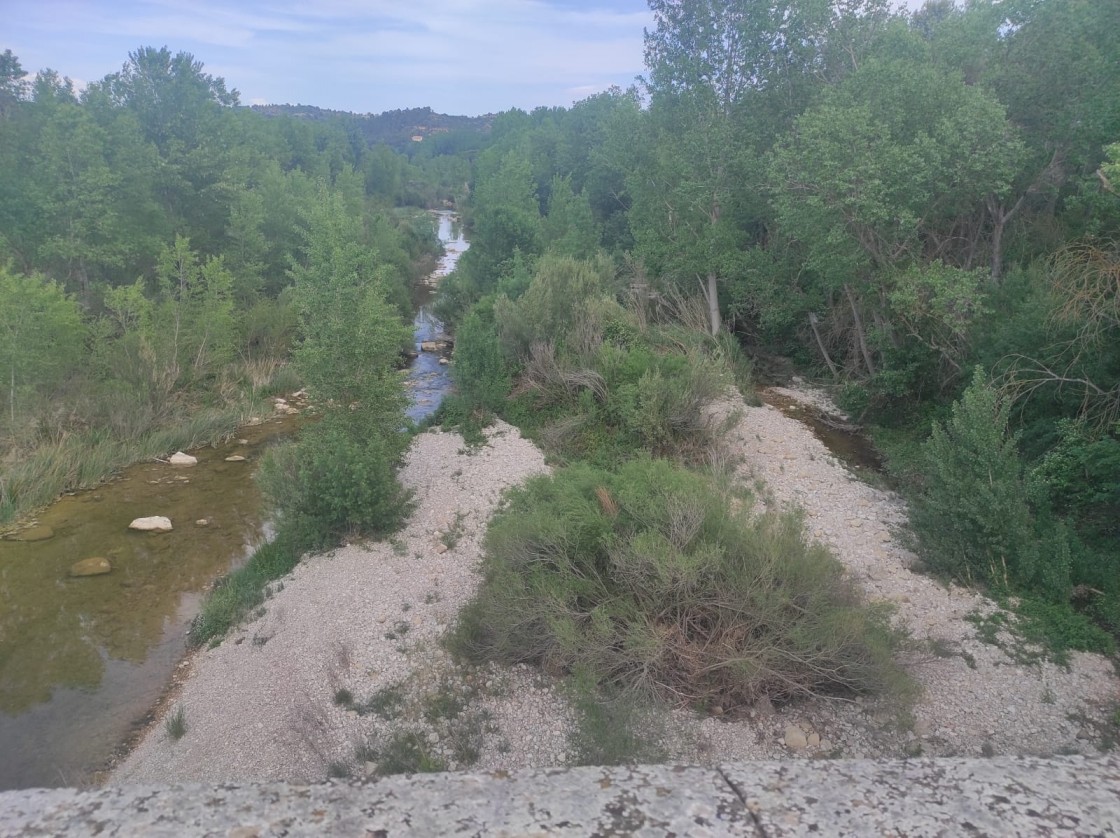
[{"x": 1000, "y": 796}]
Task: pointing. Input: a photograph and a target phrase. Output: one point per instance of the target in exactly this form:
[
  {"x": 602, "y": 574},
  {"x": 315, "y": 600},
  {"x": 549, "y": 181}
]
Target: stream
[{"x": 83, "y": 660}]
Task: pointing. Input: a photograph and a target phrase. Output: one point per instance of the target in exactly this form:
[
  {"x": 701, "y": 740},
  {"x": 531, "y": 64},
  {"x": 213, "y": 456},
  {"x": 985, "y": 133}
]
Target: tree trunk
[
  {"x": 820, "y": 345},
  {"x": 713, "y": 302},
  {"x": 860, "y": 336}
]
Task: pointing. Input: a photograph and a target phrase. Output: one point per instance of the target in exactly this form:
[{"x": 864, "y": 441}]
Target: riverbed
[{"x": 83, "y": 660}]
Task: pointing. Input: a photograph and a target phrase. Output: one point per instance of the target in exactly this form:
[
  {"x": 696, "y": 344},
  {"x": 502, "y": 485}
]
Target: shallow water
[
  {"x": 851, "y": 448},
  {"x": 83, "y": 660},
  {"x": 428, "y": 380}
]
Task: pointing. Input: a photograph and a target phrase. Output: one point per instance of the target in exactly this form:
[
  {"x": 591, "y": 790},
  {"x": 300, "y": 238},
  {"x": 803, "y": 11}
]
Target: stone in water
[
  {"x": 95, "y": 566},
  {"x": 155, "y": 523}
]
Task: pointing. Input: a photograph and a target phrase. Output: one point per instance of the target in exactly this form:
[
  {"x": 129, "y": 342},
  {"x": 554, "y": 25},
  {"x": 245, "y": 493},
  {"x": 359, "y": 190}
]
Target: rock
[
  {"x": 814, "y": 740},
  {"x": 181, "y": 459},
  {"x": 443, "y": 362},
  {"x": 432, "y": 345},
  {"x": 202, "y": 522},
  {"x": 35, "y": 534},
  {"x": 235, "y": 458},
  {"x": 441, "y": 548},
  {"x": 764, "y": 707},
  {"x": 242, "y": 442},
  {"x": 95, "y": 566},
  {"x": 155, "y": 523},
  {"x": 795, "y": 738}
]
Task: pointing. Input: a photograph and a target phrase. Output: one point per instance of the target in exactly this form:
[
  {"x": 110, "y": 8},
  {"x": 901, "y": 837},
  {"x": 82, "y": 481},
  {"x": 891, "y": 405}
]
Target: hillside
[{"x": 397, "y": 129}]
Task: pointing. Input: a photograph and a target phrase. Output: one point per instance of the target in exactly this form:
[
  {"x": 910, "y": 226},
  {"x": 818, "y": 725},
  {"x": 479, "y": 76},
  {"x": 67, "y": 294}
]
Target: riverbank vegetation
[
  {"x": 151, "y": 237},
  {"x": 896, "y": 201},
  {"x": 899, "y": 202},
  {"x": 890, "y": 199}
]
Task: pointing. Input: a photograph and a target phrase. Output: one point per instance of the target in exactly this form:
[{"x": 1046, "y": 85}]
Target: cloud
[{"x": 477, "y": 55}]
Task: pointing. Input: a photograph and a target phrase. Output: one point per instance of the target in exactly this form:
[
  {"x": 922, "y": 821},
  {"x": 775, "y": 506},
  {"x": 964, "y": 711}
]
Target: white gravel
[{"x": 261, "y": 705}]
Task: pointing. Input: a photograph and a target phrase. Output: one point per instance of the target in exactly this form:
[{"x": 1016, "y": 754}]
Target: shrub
[
  {"x": 479, "y": 371},
  {"x": 652, "y": 582},
  {"x": 972, "y": 518},
  {"x": 335, "y": 481}
]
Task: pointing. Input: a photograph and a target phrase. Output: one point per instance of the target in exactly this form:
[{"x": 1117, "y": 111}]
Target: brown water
[
  {"x": 83, "y": 659},
  {"x": 851, "y": 448}
]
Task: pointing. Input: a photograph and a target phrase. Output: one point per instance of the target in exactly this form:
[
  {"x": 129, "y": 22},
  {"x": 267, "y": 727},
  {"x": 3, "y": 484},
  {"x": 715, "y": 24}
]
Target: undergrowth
[{"x": 651, "y": 581}]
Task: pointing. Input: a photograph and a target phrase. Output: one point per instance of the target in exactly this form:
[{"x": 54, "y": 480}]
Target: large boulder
[
  {"x": 96, "y": 566},
  {"x": 155, "y": 523},
  {"x": 181, "y": 459}
]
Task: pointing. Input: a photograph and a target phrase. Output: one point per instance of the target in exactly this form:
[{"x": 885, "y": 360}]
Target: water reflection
[{"x": 82, "y": 658}]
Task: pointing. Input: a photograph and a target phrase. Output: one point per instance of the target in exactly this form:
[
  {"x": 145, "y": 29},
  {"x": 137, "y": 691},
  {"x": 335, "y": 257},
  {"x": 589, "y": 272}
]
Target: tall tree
[{"x": 41, "y": 335}]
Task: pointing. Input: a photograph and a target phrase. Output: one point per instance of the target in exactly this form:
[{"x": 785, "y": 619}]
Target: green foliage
[
  {"x": 972, "y": 519},
  {"x": 614, "y": 729},
  {"x": 334, "y": 482},
  {"x": 243, "y": 590},
  {"x": 340, "y": 477},
  {"x": 480, "y": 371},
  {"x": 41, "y": 336},
  {"x": 406, "y": 752},
  {"x": 652, "y": 581},
  {"x": 176, "y": 723},
  {"x": 564, "y": 293}
]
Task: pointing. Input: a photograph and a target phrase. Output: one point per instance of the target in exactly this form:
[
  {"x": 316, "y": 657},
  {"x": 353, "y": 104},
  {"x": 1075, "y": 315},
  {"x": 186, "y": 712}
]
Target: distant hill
[{"x": 398, "y": 129}]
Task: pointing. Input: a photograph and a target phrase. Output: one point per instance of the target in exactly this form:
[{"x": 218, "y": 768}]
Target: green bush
[
  {"x": 972, "y": 518},
  {"x": 479, "y": 371},
  {"x": 334, "y": 482},
  {"x": 652, "y": 581}
]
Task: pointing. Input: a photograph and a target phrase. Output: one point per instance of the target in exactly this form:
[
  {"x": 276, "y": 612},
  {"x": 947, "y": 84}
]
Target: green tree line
[
  {"x": 153, "y": 234},
  {"x": 921, "y": 208}
]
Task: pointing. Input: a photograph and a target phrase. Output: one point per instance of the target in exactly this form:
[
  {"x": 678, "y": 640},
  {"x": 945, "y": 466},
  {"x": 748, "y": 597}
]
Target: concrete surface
[{"x": 1001, "y": 796}]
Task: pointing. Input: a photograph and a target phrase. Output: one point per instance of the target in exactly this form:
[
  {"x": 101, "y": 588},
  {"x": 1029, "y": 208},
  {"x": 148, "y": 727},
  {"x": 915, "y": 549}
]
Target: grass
[
  {"x": 1034, "y": 630},
  {"x": 237, "y": 594},
  {"x": 83, "y": 459},
  {"x": 399, "y": 630},
  {"x": 387, "y": 703},
  {"x": 338, "y": 770},
  {"x": 343, "y": 697},
  {"x": 451, "y": 537},
  {"x": 406, "y": 752},
  {"x": 176, "y": 723}
]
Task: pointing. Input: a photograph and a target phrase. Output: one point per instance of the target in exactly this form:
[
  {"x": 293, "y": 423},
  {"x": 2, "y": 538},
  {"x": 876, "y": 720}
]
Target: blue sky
[{"x": 458, "y": 56}]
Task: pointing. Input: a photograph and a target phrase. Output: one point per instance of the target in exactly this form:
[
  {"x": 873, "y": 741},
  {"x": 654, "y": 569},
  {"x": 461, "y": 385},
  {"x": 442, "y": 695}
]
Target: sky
[{"x": 367, "y": 56}]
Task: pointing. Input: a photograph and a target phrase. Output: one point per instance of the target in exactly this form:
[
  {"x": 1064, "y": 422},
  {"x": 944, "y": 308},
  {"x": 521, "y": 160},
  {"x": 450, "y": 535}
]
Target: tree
[
  {"x": 972, "y": 518},
  {"x": 714, "y": 67},
  {"x": 41, "y": 334},
  {"x": 883, "y": 174},
  {"x": 12, "y": 85},
  {"x": 351, "y": 336},
  {"x": 341, "y": 475}
]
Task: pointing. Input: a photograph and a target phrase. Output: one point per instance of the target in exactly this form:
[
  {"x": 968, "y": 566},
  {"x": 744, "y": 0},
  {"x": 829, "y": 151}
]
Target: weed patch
[{"x": 176, "y": 723}]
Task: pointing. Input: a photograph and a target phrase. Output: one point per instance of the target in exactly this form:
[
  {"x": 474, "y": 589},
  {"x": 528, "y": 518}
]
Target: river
[{"x": 83, "y": 660}]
